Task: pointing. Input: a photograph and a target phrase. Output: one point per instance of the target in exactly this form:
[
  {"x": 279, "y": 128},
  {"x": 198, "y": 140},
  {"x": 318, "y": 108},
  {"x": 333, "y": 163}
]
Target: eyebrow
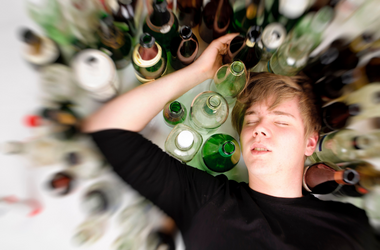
[{"x": 275, "y": 112}]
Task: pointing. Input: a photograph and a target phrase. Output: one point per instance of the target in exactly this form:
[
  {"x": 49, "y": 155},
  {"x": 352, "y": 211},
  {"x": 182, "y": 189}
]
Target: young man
[{"x": 277, "y": 122}]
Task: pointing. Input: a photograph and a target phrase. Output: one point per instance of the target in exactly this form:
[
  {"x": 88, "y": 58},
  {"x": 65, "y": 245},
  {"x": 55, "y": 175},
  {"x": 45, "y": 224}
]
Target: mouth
[{"x": 258, "y": 150}]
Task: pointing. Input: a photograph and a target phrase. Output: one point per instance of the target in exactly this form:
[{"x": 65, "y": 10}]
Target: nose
[
  {"x": 261, "y": 130},
  {"x": 257, "y": 133}
]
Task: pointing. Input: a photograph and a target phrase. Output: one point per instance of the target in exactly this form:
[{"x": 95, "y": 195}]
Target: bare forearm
[{"x": 134, "y": 109}]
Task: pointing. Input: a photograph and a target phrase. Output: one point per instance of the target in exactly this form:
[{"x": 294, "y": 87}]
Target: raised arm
[{"x": 125, "y": 111}]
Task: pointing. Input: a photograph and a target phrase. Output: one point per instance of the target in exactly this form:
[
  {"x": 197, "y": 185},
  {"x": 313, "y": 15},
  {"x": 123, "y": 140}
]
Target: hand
[{"x": 211, "y": 59}]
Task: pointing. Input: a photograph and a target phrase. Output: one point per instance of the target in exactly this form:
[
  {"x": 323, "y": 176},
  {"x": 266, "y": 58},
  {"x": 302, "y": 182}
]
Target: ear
[{"x": 311, "y": 143}]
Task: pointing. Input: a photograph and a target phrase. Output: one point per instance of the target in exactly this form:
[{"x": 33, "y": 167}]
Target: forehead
[{"x": 290, "y": 106}]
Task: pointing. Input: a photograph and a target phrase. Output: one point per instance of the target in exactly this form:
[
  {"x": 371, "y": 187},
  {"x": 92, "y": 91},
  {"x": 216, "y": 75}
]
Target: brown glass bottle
[
  {"x": 335, "y": 116},
  {"x": 190, "y": 12},
  {"x": 216, "y": 20},
  {"x": 372, "y": 69},
  {"x": 248, "y": 49},
  {"x": 184, "y": 48},
  {"x": 126, "y": 13}
]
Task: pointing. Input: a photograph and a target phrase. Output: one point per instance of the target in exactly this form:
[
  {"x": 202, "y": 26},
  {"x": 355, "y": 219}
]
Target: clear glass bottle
[
  {"x": 346, "y": 145},
  {"x": 209, "y": 110},
  {"x": 229, "y": 80},
  {"x": 291, "y": 57},
  {"x": 162, "y": 24},
  {"x": 216, "y": 19},
  {"x": 248, "y": 49},
  {"x": 184, "y": 48},
  {"x": 247, "y": 14},
  {"x": 183, "y": 143},
  {"x": 220, "y": 153},
  {"x": 114, "y": 42},
  {"x": 90, "y": 231},
  {"x": 174, "y": 113},
  {"x": 149, "y": 59}
]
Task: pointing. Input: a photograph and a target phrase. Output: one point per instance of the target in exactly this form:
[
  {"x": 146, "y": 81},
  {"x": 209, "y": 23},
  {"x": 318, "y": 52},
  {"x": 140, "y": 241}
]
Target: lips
[{"x": 259, "y": 149}]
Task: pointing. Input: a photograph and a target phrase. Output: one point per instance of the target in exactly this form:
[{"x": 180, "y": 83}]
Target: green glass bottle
[
  {"x": 209, "y": 110},
  {"x": 114, "y": 42},
  {"x": 248, "y": 49},
  {"x": 149, "y": 59},
  {"x": 230, "y": 80},
  {"x": 184, "y": 48},
  {"x": 183, "y": 143},
  {"x": 174, "y": 113},
  {"x": 220, "y": 153},
  {"x": 291, "y": 57},
  {"x": 162, "y": 24},
  {"x": 247, "y": 14}
]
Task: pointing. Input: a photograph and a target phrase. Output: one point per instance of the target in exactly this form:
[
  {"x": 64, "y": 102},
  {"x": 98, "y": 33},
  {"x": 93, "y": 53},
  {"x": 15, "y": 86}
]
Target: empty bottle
[
  {"x": 372, "y": 69},
  {"x": 162, "y": 24},
  {"x": 229, "y": 80},
  {"x": 336, "y": 116},
  {"x": 62, "y": 183},
  {"x": 149, "y": 59},
  {"x": 209, "y": 110},
  {"x": 346, "y": 145},
  {"x": 183, "y": 143},
  {"x": 90, "y": 231},
  {"x": 40, "y": 51},
  {"x": 190, "y": 12},
  {"x": 125, "y": 13},
  {"x": 247, "y": 14},
  {"x": 184, "y": 48},
  {"x": 220, "y": 153},
  {"x": 248, "y": 49},
  {"x": 216, "y": 19},
  {"x": 326, "y": 177},
  {"x": 174, "y": 113}
]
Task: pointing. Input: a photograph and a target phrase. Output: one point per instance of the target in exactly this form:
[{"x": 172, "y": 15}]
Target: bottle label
[{"x": 165, "y": 29}]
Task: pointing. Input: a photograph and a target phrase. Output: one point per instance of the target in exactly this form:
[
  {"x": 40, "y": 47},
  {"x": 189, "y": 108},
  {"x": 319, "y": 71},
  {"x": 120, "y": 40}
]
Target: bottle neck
[
  {"x": 227, "y": 149},
  {"x": 160, "y": 15},
  {"x": 175, "y": 109},
  {"x": 212, "y": 104}
]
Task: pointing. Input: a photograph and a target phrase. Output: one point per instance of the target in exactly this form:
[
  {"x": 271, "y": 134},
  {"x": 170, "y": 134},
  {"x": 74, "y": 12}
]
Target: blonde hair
[{"x": 263, "y": 86}]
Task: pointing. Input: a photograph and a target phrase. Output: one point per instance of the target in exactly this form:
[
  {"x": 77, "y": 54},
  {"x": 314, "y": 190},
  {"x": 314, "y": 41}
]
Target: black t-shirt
[{"x": 217, "y": 213}]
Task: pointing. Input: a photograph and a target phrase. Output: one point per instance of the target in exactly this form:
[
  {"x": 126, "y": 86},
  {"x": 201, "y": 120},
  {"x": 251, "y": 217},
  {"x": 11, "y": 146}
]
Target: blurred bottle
[
  {"x": 134, "y": 219},
  {"x": 39, "y": 51},
  {"x": 183, "y": 143},
  {"x": 184, "y": 48},
  {"x": 220, "y": 153},
  {"x": 286, "y": 12},
  {"x": 372, "y": 69},
  {"x": 48, "y": 15},
  {"x": 157, "y": 240},
  {"x": 174, "y": 113},
  {"x": 291, "y": 57},
  {"x": 114, "y": 42},
  {"x": 90, "y": 231},
  {"x": 326, "y": 177},
  {"x": 209, "y": 110},
  {"x": 248, "y": 49},
  {"x": 95, "y": 72},
  {"x": 319, "y": 4},
  {"x": 149, "y": 59},
  {"x": 58, "y": 84},
  {"x": 346, "y": 145},
  {"x": 190, "y": 12},
  {"x": 216, "y": 19},
  {"x": 336, "y": 116},
  {"x": 61, "y": 183},
  {"x": 162, "y": 24},
  {"x": 229, "y": 80},
  {"x": 247, "y": 14},
  {"x": 27, "y": 207},
  {"x": 125, "y": 13}
]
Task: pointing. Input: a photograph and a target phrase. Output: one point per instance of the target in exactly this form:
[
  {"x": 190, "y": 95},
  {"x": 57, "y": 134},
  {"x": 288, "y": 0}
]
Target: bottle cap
[
  {"x": 160, "y": 6},
  {"x": 33, "y": 120},
  {"x": 185, "y": 139},
  {"x": 273, "y": 36},
  {"x": 186, "y": 32},
  {"x": 147, "y": 40},
  {"x": 254, "y": 34}
]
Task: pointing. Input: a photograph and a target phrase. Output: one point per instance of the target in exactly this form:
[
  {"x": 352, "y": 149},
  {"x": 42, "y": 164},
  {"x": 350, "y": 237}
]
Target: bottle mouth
[
  {"x": 351, "y": 177},
  {"x": 237, "y": 68},
  {"x": 214, "y": 102},
  {"x": 186, "y": 32},
  {"x": 254, "y": 35},
  {"x": 228, "y": 148},
  {"x": 147, "y": 40},
  {"x": 175, "y": 107}
]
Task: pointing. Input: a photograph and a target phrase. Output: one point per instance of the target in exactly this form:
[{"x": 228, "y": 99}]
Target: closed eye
[{"x": 282, "y": 123}]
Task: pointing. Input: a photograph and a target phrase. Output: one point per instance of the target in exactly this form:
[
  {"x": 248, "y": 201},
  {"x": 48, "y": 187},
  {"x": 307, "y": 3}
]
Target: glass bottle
[
  {"x": 174, "y": 113},
  {"x": 114, "y": 42},
  {"x": 125, "y": 13},
  {"x": 149, "y": 59},
  {"x": 162, "y": 24},
  {"x": 372, "y": 69},
  {"x": 229, "y": 80},
  {"x": 336, "y": 116},
  {"x": 346, "y": 145},
  {"x": 209, "y": 110},
  {"x": 216, "y": 19},
  {"x": 326, "y": 177},
  {"x": 183, "y": 143},
  {"x": 184, "y": 48},
  {"x": 62, "y": 183},
  {"x": 248, "y": 49},
  {"x": 40, "y": 51},
  {"x": 190, "y": 12},
  {"x": 247, "y": 14},
  {"x": 220, "y": 153},
  {"x": 90, "y": 231},
  {"x": 291, "y": 57}
]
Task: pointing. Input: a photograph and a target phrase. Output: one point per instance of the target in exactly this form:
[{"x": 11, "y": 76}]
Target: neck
[{"x": 281, "y": 184}]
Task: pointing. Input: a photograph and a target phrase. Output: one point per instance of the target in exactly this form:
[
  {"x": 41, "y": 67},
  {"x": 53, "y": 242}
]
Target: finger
[{"x": 226, "y": 38}]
